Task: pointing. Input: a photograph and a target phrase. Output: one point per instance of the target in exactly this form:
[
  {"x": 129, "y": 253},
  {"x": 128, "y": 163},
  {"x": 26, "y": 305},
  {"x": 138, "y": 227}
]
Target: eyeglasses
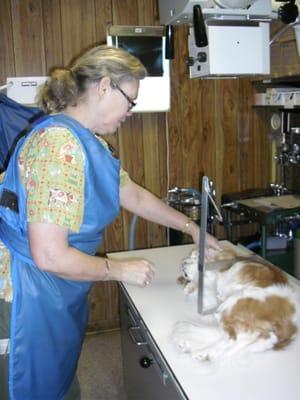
[{"x": 130, "y": 101}]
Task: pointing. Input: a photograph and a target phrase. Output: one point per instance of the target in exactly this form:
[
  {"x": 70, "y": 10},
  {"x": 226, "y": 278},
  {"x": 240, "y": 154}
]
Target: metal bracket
[{"x": 205, "y": 196}]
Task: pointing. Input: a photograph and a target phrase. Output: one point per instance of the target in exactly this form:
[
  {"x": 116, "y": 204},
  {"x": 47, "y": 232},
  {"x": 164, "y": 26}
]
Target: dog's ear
[
  {"x": 225, "y": 254},
  {"x": 262, "y": 275}
]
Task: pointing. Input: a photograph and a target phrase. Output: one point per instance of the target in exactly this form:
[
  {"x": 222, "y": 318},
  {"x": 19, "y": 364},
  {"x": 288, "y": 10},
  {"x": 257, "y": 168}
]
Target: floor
[{"x": 100, "y": 367}]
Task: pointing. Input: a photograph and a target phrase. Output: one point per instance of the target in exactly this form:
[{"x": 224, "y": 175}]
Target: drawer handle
[{"x": 131, "y": 331}]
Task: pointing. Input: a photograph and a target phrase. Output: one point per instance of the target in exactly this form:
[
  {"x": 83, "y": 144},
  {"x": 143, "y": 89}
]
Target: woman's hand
[
  {"x": 194, "y": 231},
  {"x": 212, "y": 244},
  {"x": 138, "y": 272}
]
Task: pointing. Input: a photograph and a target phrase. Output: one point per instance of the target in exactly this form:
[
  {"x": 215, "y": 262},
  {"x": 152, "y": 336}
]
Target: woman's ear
[{"x": 104, "y": 85}]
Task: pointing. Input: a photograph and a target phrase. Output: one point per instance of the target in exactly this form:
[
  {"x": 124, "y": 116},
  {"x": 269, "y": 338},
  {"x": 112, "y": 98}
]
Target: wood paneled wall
[{"x": 211, "y": 129}]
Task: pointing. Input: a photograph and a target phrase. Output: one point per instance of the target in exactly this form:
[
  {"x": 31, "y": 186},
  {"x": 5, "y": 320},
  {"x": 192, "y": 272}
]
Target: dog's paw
[
  {"x": 201, "y": 356},
  {"x": 190, "y": 288}
]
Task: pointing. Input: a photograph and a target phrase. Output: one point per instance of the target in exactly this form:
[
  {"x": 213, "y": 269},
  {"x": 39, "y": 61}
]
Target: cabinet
[{"x": 146, "y": 374}]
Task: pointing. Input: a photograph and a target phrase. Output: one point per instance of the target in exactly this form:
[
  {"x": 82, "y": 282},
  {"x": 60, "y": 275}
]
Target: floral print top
[{"x": 51, "y": 166}]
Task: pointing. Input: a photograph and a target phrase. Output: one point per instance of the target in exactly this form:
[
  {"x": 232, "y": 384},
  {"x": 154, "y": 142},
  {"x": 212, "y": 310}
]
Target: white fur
[{"x": 206, "y": 339}]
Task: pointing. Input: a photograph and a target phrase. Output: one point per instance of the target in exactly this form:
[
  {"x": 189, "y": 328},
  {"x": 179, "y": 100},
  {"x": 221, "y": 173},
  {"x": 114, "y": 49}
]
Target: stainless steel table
[{"x": 266, "y": 211}]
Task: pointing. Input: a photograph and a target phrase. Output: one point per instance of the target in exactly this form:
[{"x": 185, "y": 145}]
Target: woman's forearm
[
  {"x": 144, "y": 204},
  {"x": 63, "y": 260}
]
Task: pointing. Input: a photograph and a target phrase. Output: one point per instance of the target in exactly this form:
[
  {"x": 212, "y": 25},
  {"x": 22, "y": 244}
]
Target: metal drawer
[{"x": 146, "y": 374}]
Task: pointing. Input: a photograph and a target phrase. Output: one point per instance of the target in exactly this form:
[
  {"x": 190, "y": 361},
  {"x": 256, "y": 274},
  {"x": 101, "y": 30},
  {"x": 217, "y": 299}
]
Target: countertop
[{"x": 269, "y": 375}]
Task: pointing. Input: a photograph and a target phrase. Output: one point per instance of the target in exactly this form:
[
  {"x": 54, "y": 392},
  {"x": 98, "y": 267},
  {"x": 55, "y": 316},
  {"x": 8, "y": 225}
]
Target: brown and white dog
[{"x": 257, "y": 309}]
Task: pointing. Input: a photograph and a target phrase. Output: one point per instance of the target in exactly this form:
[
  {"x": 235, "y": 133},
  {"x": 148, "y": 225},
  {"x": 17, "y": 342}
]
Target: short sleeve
[
  {"x": 124, "y": 178},
  {"x": 52, "y": 169}
]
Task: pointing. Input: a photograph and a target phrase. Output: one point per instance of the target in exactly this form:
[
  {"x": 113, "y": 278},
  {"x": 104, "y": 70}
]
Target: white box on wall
[
  {"x": 148, "y": 43},
  {"x": 24, "y": 89},
  {"x": 235, "y": 48}
]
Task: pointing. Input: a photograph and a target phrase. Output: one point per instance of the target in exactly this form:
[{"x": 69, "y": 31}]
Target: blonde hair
[{"x": 65, "y": 86}]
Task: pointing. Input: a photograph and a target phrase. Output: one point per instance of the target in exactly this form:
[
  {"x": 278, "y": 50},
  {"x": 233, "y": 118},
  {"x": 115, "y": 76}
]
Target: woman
[{"x": 61, "y": 189}]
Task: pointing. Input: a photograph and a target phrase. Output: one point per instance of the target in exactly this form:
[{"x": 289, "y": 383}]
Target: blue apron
[{"x": 49, "y": 314}]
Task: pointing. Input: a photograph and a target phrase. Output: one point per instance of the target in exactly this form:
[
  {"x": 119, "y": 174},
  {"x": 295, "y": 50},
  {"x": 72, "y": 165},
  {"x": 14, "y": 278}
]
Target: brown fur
[
  {"x": 262, "y": 275},
  {"x": 181, "y": 280},
  {"x": 272, "y": 315}
]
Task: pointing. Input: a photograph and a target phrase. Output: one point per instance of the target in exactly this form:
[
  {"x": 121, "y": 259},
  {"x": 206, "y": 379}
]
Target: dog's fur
[{"x": 257, "y": 310}]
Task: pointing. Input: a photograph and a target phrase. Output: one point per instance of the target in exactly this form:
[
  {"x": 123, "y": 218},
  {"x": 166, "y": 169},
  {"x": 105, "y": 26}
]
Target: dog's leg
[
  {"x": 227, "y": 347},
  {"x": 190, "y": 338},
  {"x": 218, "y": 350},
  {"x": 213, "y": 351}
]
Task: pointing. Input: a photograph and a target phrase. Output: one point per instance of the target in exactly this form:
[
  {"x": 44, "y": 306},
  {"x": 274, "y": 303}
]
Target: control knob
[{"x": 145, "y": 362}]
